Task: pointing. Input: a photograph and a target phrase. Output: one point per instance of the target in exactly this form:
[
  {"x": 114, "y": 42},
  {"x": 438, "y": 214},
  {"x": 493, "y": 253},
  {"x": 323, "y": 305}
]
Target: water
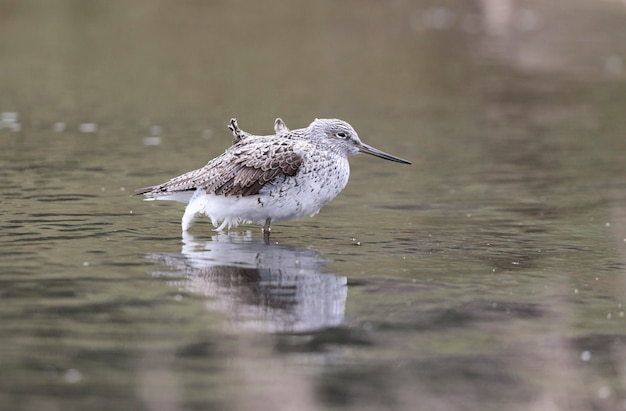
[{"x": 489, "y": 274}]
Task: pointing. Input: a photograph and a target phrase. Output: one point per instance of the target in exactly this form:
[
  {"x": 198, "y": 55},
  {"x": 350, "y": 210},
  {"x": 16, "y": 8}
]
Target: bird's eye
[{"x": 341, "y": 134}]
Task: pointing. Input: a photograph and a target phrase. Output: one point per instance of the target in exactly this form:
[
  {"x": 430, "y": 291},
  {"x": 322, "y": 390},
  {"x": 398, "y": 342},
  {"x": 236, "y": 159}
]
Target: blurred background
[{"x": 487, "y": 275}]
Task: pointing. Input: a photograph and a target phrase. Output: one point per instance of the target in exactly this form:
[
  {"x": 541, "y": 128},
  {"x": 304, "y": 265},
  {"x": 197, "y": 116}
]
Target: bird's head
[{"x": 340, "y": 135}]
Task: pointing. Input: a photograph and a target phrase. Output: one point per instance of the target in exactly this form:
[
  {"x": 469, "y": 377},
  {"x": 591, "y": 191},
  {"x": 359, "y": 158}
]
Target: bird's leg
[
  {"x": 266, "y": 231},
  {"x": 188, "y": 217}
]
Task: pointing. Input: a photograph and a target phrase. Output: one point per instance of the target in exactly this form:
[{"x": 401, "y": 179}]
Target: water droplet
[
  {"x": 9, "y": 117},
  {"x": 87, "y": 127},
  {"x": 151, "y": 141},
  {"x": 72, "y": 376}
]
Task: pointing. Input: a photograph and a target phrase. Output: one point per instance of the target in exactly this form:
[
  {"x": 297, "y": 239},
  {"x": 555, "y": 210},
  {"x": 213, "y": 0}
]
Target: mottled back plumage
[
  {"x": 249, "y": 168},
  {"x": 245, "y": 168}
]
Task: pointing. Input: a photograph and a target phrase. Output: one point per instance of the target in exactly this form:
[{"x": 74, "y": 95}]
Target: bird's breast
[{"x": 315, "y": 184}]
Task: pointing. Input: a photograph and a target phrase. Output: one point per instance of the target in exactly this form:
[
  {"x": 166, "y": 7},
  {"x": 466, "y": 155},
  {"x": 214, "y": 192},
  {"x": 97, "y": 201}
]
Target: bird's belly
[
  {"x": 283, "y": 199},
  {"x": 300, "y": 196}
]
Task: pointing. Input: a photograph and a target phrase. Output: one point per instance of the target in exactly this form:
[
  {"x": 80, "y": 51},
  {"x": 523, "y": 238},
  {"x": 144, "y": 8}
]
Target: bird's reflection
[{"x": 274, "y": 288}]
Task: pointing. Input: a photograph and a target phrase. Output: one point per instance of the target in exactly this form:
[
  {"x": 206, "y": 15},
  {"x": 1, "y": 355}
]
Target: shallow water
[{"x": 489, "y": 274}]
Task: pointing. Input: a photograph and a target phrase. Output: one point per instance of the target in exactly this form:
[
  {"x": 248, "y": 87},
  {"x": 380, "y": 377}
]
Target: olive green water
[{"x": 490, "y": 274}]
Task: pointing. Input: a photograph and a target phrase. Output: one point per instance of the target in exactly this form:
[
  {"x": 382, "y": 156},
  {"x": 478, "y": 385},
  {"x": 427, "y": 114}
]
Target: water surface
[{"x": 487, "y": 275}]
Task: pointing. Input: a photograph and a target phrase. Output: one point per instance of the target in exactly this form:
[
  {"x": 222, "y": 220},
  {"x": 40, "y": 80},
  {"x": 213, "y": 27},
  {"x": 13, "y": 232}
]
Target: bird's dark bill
[{"x": 364, "y": 148}]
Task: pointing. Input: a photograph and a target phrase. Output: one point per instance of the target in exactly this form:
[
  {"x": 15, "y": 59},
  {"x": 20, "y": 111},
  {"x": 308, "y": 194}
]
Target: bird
[{"x": 267, "y": 179}]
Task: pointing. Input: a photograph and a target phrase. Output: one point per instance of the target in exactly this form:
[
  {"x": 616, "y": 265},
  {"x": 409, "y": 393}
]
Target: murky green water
[{"x": 490, "y": 274}]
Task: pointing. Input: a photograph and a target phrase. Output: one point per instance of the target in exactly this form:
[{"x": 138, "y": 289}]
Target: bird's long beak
[{"x": 364, "y": 148}]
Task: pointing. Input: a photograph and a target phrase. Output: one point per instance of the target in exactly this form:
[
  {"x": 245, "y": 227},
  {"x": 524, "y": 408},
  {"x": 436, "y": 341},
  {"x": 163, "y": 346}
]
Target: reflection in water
[{"x": 274, "y": 288}]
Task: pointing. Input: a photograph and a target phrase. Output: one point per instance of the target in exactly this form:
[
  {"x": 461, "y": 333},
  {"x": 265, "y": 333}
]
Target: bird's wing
[
  {"x": 248, "y": 168},
  {"x": 244, "y": 169},
  {"x": 183, "y": 182}
]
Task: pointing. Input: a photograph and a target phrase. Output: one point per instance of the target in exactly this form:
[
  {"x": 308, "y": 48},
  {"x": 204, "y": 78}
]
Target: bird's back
[{"x": 242, "y": 170}]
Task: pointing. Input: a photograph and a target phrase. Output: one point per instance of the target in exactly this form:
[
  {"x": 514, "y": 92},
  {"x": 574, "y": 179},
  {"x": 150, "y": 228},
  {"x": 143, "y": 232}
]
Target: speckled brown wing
[
  {"x": 244, "y": 169},
  {"x": 251, "y": 167},
  {"x": 178, "y": 184}
]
